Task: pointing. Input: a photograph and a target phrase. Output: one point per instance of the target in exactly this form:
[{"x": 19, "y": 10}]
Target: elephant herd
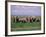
[{"x": 27, "y": 19}]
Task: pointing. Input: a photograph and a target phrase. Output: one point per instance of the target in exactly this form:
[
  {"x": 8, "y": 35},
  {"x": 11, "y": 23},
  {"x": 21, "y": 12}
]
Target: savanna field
[{"x": 19, "y": 26}]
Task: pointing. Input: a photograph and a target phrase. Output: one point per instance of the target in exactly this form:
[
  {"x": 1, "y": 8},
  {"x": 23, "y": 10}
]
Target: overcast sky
[{"x": 20, "y": 10}]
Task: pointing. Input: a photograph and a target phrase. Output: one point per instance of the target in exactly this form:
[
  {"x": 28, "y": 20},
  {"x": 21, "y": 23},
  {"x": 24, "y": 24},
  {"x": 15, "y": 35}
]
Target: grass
[{"x": 25, "y": 26}]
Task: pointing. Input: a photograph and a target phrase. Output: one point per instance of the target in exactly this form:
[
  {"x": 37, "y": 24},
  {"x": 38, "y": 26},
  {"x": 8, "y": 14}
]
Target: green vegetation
[{"x": 19, "y": 26}]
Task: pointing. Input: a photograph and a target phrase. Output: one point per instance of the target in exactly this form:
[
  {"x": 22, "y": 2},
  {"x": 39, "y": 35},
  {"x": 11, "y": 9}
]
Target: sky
[{"x": 21, "y": 10}]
